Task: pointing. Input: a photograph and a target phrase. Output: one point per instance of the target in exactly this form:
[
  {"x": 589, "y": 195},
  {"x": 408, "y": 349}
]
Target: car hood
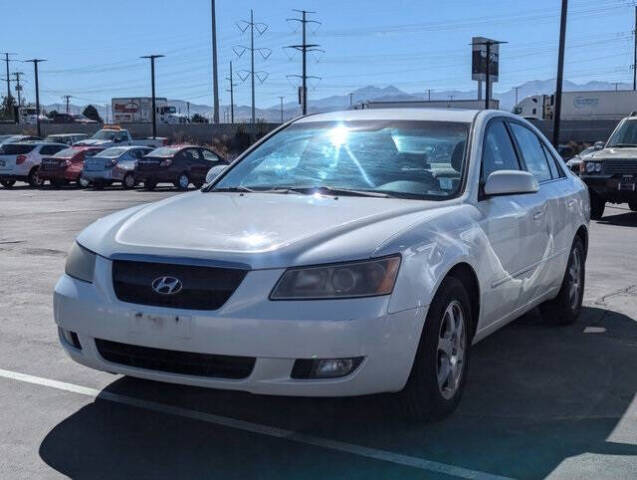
[
  {"x": 257, "y": 230},
  {"x": 613, "y": 153}
]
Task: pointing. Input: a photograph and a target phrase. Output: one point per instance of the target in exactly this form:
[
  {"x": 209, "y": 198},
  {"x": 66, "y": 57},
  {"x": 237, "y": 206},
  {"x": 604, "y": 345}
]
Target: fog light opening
[
  {"x": 71, "y": 338},
  {"x": 325, "y": 367}
]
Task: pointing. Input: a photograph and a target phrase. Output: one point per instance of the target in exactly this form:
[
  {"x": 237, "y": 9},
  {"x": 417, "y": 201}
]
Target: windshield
[
  {"x": 397, "y": 158},
  {"x": 105, "y": 134},
  {"x": 112, "y": 152},
  {"x": 625, "y": 135},
  {"x": 17, "y": 148}
]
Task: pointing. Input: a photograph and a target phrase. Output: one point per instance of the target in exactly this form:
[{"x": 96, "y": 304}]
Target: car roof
[
  {"x": 38, "y": 142},
  {"x": 65, "y": 134},
  {"x": 422, "y": 114}
]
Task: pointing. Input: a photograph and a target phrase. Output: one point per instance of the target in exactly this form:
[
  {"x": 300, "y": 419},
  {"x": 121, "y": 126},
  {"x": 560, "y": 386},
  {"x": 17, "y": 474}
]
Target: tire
[
  {"x": 34, "y": 179},
  {"x": 150, "y": 185},
  {"x": 128, "y": 181},
  {"x": 7, "y": 183},
  {"x": 633, "y": 205},
  {"x": 425, "y": 397},
  {"x": 597, "y": 206},
  {"x": 182, "y": 181},
  {"x": 84, "y": 183},
  {"x": 565, "y": 308}
]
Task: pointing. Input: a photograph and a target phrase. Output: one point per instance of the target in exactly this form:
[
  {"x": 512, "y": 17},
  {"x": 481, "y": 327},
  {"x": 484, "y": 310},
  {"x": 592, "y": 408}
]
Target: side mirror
[
  {"x": 510, "y": 182},
  {"x": 214, "y": 172},
  {"x": 599, "y": 145}
]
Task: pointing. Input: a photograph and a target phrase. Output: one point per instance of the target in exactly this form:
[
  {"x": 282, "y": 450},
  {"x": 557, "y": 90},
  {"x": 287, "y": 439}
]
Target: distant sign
[{"x": 479, "y": 59}]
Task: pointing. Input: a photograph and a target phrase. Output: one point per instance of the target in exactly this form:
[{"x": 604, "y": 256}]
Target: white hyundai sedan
[{"x": 347, "y": 253}]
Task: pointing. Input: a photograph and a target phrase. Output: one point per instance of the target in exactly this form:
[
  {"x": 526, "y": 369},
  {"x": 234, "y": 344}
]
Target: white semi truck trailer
[
  {"x": 140, "y": 110},
  {"x": 591, "y": 105}
]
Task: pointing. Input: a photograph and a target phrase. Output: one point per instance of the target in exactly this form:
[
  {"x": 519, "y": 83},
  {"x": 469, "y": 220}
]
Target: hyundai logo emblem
[{"x": 167, "y": 285}]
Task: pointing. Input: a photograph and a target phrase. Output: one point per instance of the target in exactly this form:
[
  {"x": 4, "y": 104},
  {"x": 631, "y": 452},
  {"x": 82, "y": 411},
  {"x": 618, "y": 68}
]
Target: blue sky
[{"x": 93, "y": 47}]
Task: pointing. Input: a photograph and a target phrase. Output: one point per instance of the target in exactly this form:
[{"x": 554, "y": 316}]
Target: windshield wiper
[
  {"x": 337, "y": 191},
  {"x": 238, "y": 188}
]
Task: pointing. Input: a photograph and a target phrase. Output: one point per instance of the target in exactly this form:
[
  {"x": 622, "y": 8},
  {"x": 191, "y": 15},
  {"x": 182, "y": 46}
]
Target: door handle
[
  {"x": 539, "y": 214},
  {"x": 571, "y": 203}
]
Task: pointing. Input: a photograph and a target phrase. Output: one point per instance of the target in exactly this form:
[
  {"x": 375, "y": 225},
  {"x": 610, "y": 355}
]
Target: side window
[
  {"x": 209, "y": 156},
  {"x": 498, "y": 153},
  {"x": 50, "y": 149},
  {"x": 532, "y": 152},
  {"x": 556, "y": 171}
]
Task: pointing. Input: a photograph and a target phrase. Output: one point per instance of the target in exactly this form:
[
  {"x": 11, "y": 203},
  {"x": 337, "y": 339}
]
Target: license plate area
[{"x": 145, "y": 323}]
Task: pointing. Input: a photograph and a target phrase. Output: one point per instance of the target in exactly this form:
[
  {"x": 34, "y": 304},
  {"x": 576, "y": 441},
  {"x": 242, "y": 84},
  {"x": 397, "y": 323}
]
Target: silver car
[{"x": 115, "y": 164}]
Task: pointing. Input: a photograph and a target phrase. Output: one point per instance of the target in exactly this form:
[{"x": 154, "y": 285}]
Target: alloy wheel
[
  {"x": 452, "y": 343},
  {"x": 574, "y": 279}
]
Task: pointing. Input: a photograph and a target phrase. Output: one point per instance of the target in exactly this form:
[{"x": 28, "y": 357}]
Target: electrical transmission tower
[
  {"x": 239, "y": 50},
  {"x": 66, "y": 99},
  {"x": 304, "y": 47},
  {"x": 230, "y": 79}
]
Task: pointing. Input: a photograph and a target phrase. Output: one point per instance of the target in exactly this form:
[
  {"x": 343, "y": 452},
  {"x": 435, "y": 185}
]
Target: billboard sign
[{"x": 479, "y": 59}]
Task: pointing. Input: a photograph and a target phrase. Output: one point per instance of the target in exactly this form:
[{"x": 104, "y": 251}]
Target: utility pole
[
  {"x": 18, "y": 87},
  {"x": 429, "y": 94},
  {"x": 281, "y": 98},
  {"x": 152, "y": 82},
  {"x": 635, "y": 53},
  {"x": 35, "y": 62},
  {"x": 188, "y": 109},
  {"x": 215, "y": 85},
  {"x": 67, "y": 98},
  {"x": 6, "y": 59},
  {"x": 516, "y": 95},
  {"x": 304, "y": 47},
  {"x": 351, "y": 99},
  {"x": 231, "y": 90},
  {"x": 264, "y": 52},
  {"x": 560, "y": 75}
]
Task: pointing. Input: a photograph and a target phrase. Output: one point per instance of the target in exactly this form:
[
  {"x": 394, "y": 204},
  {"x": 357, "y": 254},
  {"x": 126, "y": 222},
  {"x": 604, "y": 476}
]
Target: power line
[
  {"x": 239, "y": 50},
  {"x": 304, "y": 47}
]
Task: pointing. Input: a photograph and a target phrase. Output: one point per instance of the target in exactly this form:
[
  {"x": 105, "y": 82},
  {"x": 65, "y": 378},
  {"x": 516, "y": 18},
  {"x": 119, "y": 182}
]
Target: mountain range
[{"x": 389, "y": 93}]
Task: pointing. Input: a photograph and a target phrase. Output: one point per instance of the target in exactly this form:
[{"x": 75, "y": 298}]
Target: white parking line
[{"x": 383, "y": 455}]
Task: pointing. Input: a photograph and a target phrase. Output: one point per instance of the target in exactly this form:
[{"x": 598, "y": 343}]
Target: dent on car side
[{"x": 432, "y": 237}]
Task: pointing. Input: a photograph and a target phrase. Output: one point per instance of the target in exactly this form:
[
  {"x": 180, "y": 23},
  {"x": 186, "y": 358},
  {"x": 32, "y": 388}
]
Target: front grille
[
  {"x": 173, "y": 361},
  {"x": 613, "y": 167},
  {"x": 202, "y": 288}
]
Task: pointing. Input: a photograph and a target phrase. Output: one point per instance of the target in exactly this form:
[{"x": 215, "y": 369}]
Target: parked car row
[{"x": 38, "y": 161}]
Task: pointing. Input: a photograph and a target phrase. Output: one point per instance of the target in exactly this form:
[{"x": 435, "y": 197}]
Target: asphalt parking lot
[{"x": 541, "y": 401}]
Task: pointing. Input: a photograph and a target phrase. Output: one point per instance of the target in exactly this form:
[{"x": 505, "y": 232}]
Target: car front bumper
[
  {"x": 612, "y": 188},
  {"x": 276, "y": 333}
]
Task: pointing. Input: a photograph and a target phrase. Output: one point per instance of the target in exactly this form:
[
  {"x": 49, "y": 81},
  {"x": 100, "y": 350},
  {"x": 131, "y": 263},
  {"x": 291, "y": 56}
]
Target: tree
[
  {"x": 196, "y": 118},
  {"x": 91, "y": 112},
  {"x": 52, "y": 114}
]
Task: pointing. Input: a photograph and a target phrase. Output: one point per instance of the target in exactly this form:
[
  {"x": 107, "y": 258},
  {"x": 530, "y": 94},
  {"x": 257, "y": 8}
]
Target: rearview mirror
[
  {"x": 599, "y": 145},
  {"x": 510, "y": 182},
  {"x": 214, "y": 172}
]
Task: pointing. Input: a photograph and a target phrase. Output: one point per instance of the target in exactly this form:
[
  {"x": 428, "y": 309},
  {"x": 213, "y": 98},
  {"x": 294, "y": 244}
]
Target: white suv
[
  {"x": 21, "y": 161},
  {"x": 347, "y": 253}
]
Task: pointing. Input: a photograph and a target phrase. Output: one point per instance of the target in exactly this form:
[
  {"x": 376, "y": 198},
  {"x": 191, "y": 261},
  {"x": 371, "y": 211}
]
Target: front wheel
[
  {"x": 6, "y": 183},
  {"x": 150, "y": 185},
  {"x": 597, "y": 206},
  {"x": 633, "y": 205},
  {"x": 34, "y": 178},
  {"x": 565, "y": 308},
  {"x": 83, "y": 182},
  {"x": 437, "y": 377}
]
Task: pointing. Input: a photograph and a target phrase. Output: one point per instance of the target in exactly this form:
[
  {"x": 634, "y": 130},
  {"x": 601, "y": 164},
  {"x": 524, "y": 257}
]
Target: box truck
[{"x": 139, "y": 110}]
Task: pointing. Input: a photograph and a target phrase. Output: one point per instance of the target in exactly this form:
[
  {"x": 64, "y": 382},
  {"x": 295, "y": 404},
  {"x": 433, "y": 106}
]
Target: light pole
[{"x": 152, "y": 82}]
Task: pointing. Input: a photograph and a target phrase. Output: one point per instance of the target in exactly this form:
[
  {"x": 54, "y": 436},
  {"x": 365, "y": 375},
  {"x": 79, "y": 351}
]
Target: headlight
[
  {"x": 80, "y": 263},
  {"x": 593, "y": 167},
  {"x": 346, "y": 280}
]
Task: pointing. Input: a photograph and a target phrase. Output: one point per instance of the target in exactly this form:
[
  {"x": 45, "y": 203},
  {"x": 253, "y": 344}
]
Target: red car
[{"x": 66, "y": 165}]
